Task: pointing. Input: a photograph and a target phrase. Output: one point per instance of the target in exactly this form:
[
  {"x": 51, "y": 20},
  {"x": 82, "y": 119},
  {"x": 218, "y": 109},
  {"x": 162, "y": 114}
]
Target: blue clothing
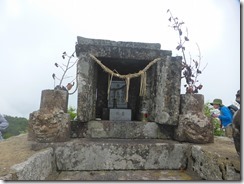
[{"x": 225, "y": 116}]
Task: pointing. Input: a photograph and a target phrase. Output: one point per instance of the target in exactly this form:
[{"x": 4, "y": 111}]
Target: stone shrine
[
  {"x": 131, "y": 118},
  {"x": 102, "y": 61}
]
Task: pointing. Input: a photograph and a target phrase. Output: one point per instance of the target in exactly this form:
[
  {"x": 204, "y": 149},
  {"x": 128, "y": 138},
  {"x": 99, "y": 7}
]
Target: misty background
[{"x": 35, "y": 33}]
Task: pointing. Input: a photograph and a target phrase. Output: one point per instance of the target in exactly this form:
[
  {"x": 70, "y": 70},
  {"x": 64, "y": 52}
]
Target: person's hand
[{"x": 215, "y": 115}]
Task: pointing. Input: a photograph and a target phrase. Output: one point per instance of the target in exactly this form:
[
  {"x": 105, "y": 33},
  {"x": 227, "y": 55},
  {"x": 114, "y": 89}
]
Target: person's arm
[
  {"x": 3, "y": 122},
  {"x": 225, "y": 115}
]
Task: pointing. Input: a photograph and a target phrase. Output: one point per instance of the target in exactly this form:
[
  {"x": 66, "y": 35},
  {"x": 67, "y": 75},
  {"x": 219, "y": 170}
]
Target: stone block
[
  {"x": 119, "y": 114},
  {"x": 37, "y": 167},
  {"x": 191, "y": 103},
  {"x": 47, "y": 127},
  {"x": 194, "y": 128},
  {"x": 120, "y": 155},
  {"x": 125, "y": 130}
]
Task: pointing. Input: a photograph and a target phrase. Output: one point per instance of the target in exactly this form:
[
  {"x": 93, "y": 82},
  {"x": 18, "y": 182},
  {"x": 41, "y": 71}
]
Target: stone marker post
[
  {"x": 51, "y": 123},
  {"x": 194, "y": 126}
]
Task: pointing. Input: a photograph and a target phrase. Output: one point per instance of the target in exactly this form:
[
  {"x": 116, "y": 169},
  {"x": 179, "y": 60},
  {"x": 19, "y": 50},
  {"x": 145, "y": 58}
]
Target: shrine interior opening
[{"x": 114, "y": 104}]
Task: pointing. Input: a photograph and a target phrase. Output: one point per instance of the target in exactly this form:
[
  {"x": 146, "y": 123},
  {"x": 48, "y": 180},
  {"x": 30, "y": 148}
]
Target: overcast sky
[{"x": 35, "y": 33}]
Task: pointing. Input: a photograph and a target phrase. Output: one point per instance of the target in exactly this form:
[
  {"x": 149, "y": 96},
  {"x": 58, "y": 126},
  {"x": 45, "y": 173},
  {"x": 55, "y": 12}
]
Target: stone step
[
  {"x": 123, "y": 130},
  {"x": 120, "y": 154}
]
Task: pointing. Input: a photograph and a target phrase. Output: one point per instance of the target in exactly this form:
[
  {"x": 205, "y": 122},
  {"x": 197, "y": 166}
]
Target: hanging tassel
[
  {"x": 143, "y": 84},
  {"x": 127, "y": 81},
  {"x": 109, "y": 84}
]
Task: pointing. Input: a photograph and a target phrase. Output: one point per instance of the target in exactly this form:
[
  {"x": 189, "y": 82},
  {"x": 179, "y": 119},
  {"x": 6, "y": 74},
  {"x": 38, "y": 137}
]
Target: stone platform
[{"x": 120, "y": 159}]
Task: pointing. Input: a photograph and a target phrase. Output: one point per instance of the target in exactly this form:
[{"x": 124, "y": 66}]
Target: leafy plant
[
  {"x": 65, "y": 68},
  {"x": 72, "y": 112},
  {"x": 208, "y": 110},
  {"x": 190, "y": 69}
]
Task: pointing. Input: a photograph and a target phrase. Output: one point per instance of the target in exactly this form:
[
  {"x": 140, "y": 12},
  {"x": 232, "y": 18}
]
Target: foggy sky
[{"x": 34, "y": 34}]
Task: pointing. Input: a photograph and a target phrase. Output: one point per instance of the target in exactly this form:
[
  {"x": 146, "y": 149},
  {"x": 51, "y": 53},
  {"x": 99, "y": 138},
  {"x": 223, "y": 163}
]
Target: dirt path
[{"x": 13, "y": 151}]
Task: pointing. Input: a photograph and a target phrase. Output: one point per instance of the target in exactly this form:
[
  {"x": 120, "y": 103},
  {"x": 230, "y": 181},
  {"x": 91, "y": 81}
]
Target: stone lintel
[{"x": 101, "y": 42}]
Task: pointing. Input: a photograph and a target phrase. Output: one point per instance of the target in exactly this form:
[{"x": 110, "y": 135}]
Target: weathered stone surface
[
  {"x": 125, "y": 130},
  {"x": 86, "y": 89},
  {"x": 87, "y": 41},
  {"x": 194, "y": 128},
  {"x": 191, "y": 103},
  {"x": 37, "y": 167},
  {"x": 212, "y": 166},
  {"x": 193, "y": 125},
  {"x": 54, "y": 100},
  {"x": 164, "y": 95},
  {"x": 213, "y": 161},
  {"x": 121, "y": 155},
  {"x": 53, "y": 126}
]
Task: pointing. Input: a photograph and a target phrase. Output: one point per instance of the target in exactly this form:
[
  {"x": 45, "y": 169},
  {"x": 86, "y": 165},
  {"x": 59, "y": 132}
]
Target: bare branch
[{"x": 190, "y": 73}]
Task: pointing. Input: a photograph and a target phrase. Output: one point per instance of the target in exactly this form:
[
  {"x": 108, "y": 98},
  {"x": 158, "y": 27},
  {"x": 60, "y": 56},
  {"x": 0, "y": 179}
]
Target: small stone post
[
  {"x": 194, "y": 126},
  {"x": 51, "y": 123}
]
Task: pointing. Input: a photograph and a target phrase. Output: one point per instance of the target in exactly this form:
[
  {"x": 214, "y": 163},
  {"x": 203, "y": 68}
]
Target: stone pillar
[
  {"x": 194, "y": 126},
  {"x": 54, "y": 99},
  {"x": 51, "y": 123},
  {"x": 87, "y": 74}
]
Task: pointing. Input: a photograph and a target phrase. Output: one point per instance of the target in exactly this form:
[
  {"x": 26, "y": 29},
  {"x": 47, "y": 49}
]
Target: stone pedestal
[
  {"x": 193, "y": 125},
  {"x": 51, "y": 123}
]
